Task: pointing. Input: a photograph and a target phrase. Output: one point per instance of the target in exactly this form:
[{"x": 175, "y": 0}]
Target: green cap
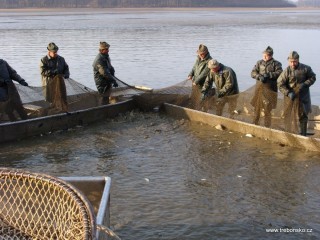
[
  {"x": 52, "y": 47},
  {"x": 213, "y": 64},
  {"x": 268, "y": 51},
  {"x": 104, "y": 45},
  {"x": 293, "y": 56},
  {"x": 202, "y": 49}
]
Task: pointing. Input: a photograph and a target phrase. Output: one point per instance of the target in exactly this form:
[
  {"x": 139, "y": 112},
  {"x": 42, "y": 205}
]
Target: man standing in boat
[
  {"x": 294, "y": 83},
  {"x": 198, "y": 75},
  {"x": 104, "y": 73},
  {"x": 266, "y": 72},
  {"x": 9, "y": 96},
  {"x": 54, "y": 70},
  {"x": 226, "y": 84}
]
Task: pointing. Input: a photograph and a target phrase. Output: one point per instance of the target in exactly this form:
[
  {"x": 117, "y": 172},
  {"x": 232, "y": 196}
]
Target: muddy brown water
[{"x": 175, "y": 179}]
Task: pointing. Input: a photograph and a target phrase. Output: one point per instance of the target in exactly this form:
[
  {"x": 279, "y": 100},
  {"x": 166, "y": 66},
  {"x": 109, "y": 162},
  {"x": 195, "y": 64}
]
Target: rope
[{"x": 108, "y": 231}]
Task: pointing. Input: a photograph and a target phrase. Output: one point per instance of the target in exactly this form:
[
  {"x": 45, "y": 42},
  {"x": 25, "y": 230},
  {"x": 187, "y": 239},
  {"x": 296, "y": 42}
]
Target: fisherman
[
  {"x": 294, "y": 83},
  {"x": 198, "y": 75},
  {"x": 266, "y": 72},
  {"x": 54, "y": 70},
  {"x": 9, "y": 95},
  {"x": 226, "y": 84},
  {"x": 104, "y": 73}
]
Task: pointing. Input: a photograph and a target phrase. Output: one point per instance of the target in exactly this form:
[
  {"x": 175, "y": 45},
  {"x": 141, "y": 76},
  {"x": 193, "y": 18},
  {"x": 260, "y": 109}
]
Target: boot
[{"x": 303, "y": 128}]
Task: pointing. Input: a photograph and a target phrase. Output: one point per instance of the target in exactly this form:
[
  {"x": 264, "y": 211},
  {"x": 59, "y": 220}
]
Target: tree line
[
  {"x": 308, "y": 3},
  {"x": 141, "y": 3}
]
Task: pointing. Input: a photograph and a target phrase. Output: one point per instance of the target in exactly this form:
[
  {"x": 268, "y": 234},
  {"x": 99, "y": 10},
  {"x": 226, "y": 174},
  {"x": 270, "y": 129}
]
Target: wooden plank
[{"x": 277, "y": 136}]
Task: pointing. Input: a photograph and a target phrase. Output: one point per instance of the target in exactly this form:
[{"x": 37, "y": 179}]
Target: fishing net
[
  {"x": 64, "y": 95},
  {"x": 258, "y": 104}
]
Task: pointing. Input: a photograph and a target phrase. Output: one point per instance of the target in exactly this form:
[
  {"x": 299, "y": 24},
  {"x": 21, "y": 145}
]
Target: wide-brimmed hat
[
  {"x": 268, "y": 51},
  {"x": 52, "y": 47},
  {"x": 293, "y": 56},
  {"x": 104, "y": 45},
  {"x": 202, "y": 49},
  {"x": 213, "y": 64}
]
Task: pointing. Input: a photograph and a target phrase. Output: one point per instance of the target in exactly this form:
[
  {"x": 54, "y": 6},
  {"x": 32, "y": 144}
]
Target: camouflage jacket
[
  {"x": 225, "y": 81},
  {"x": 200, "y": 70}
]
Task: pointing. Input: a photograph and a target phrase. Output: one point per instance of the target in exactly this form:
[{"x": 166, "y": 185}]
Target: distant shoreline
[{"x": 150, "y": 9}]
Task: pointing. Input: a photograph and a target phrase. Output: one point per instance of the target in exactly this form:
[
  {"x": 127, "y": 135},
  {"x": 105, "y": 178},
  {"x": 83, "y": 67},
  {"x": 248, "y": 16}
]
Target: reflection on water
[
  {"x": 157, "y": 47},
  {"x": 174, "y": 179}
]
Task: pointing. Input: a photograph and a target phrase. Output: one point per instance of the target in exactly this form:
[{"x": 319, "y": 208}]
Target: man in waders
[
  {"x": 266, "y": 72},
  {"x": 294, "y": 83},
  {"x": 53, "y": 70},
  {"x": 198, "y": 75},
  {"x": 104, "y": 73},
  {"x": 9, "y": 96}
]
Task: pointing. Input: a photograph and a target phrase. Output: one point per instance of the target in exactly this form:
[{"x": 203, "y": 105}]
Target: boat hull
[
  {"x": 277, "y": 136},
  {"x": 26, "y": 128}
]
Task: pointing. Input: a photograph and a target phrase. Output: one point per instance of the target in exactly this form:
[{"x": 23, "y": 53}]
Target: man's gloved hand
[
  {"x": 266, "y": 77},
  {"x": 23, "y": 82},
  {"x": 203, "y": 96},
  {"x": 54, "y": 72},
  {"x": 302, "y": 86},
  {"x": 221, "y": 94},
  {"x": 292, "y": 95},
  {"x": 115, "y": 84},
  {"x": 65, "y": 77}
]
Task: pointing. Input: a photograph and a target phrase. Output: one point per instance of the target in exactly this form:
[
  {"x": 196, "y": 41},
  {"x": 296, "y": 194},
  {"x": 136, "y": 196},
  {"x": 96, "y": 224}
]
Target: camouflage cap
[
  {"x": 213, "y": 64},
  {"x": 202, "y": 49},
  {"x": 52, "y": 47},
  {"x": 104, "y": 45},
  {"x": 293, "y": 56},
  {"x": 268, "y": 51}
]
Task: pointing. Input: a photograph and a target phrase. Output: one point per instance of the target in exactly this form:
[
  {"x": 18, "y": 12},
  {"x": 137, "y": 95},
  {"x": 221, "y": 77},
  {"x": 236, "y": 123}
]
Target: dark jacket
[
  {"x": 267, "y": 91},
  {"x": 290, "y": 79},
  {"x": 7, "y": 73},
  {"x": 103, "y": 72},
  {"x": 272, "y": 68},
  {"x": 8, "y": 91},
  {"x": 50, "y": 68}
]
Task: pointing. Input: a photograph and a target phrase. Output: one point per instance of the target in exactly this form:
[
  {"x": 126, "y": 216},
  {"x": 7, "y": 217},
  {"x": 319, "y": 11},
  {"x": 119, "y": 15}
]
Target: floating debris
[
  {"x": 249, "y": 135},
  {"x": 220, "y": 127}
]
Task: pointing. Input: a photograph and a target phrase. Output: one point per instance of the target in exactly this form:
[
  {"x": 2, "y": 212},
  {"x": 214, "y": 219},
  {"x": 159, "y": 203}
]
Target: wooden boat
[
  {"x": 277, "y": 136},
  {"x": 10, "y": 131}
]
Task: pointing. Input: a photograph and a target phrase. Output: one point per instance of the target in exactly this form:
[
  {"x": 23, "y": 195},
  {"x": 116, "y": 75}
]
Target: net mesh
[
  {"x": 258, "y": 104},
  {"x": 39, "y": 206}
]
